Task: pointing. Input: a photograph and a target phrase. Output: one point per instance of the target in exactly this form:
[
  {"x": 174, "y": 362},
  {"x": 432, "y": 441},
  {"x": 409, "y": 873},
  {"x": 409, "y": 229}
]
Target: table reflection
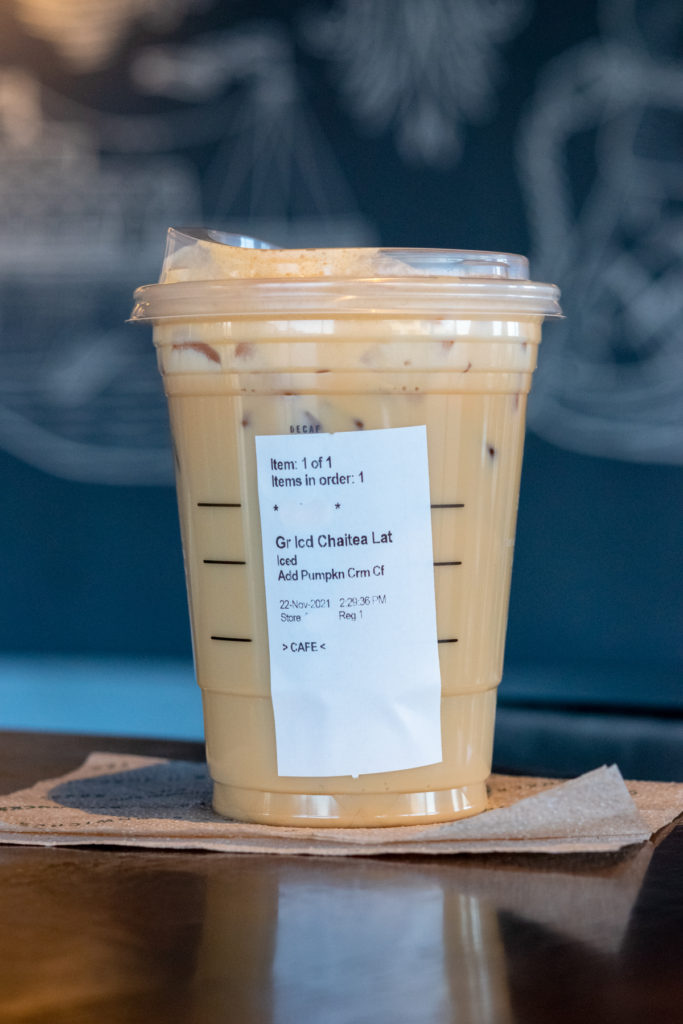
[
  {"x": 326, "y": 939},
  {"x": 329, "y": 937}
]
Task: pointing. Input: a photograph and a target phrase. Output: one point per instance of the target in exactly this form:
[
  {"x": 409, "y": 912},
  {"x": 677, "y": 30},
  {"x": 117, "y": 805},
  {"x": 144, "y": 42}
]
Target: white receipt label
[{"x": 349, "y": 580}]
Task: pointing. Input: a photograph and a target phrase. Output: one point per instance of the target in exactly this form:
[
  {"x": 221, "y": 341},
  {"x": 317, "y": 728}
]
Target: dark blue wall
[{"x": 244, "y": 115}]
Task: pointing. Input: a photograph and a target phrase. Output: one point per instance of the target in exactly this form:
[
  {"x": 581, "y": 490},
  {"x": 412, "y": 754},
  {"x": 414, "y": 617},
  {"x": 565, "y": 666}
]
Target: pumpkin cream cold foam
[{"x": 348, "y": 428}]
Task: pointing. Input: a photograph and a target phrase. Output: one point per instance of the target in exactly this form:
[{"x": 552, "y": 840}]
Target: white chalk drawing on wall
[
  {"x": 88, "y": 33},
  {"x": 85, "y": 201},
  {"x": 424, "y": 70},
  {"x": 79, "y": 394},
  {"x": 609, "y": 113},
  {"x": 273, "y": 164}
]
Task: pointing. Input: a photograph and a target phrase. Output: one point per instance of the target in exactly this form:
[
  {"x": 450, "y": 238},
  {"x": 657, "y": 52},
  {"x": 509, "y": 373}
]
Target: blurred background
[{"x": 555, "y": 130}]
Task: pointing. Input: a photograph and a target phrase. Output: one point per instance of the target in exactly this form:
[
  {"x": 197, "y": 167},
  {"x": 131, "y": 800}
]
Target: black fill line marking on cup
[
  {"x": 221, "y": 561},
  {"x": 219, "y": 504},
  {"x": 449, "y": 640},
  {"x": 458, "y": 504},
  {"x": 447, "y": 563},
  {"x": 233, "y": 639}
]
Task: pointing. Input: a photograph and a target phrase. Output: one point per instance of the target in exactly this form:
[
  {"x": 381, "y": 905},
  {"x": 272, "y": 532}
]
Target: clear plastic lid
[{"x": 212, "y": 274}]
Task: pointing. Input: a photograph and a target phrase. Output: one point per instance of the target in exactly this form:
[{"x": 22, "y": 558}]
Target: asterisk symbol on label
[
  {"x": 276, "y": 508},
  {"x": 337, "y": 505}
]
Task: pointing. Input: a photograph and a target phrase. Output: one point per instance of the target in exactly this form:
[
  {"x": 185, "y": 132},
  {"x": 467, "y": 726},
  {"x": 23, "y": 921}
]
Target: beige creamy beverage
[{"x": 348, "y": 429}]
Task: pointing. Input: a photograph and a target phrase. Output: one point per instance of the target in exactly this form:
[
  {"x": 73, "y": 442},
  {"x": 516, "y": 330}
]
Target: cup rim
[{"x": 418, "y": 297}]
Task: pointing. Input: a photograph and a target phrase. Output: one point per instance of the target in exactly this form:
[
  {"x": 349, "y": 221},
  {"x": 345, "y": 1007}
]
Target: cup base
[{"x": 349, "y": 810}]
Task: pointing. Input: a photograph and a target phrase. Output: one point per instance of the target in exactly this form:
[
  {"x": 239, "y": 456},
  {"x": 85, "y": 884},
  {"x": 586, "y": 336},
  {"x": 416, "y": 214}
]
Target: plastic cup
[{"x": 271, "y": 361}]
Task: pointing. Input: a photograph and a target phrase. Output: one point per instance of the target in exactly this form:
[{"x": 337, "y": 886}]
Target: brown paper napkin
[{"x": 126, "y": 800}]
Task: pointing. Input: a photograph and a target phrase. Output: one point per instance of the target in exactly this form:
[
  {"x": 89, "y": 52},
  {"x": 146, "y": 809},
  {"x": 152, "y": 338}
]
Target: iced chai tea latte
[{"x": 348, "y": 428}]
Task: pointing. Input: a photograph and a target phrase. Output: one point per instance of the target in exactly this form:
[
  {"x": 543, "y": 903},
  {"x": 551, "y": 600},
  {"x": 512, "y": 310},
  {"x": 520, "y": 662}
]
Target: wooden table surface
[{"x": 126, "y": 936}]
